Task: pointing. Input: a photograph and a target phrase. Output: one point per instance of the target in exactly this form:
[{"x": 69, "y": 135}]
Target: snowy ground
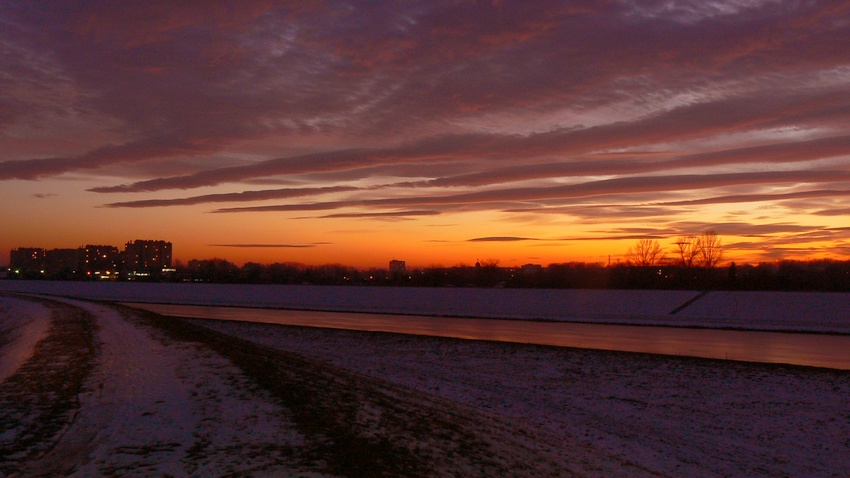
[
  {"x": 787, "y": 311},
  {"x": 160, "y": 398},
  {"x": 113, "y": 392},
  {"x": 22, "y": 324},
  {"x": 667, "y": 416},
  {"x": 151, "y": 406}
]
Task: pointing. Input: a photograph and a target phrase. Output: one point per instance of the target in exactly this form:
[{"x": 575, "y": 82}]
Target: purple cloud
[
  {"x": 381, "y": 215},
  {"x": 265, "y": 246},
  {"x": 501, "y": 239},
  {"x": 244, "y": 196},
  {"x": 595, "y": 110},
  {"x": 636, "y": 184}
]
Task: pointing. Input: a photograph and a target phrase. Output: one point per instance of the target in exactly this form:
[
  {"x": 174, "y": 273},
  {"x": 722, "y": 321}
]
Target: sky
[{"x": 435, "y": 132}]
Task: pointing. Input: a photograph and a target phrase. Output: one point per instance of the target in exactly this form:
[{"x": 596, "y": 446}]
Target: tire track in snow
[{"x": 156, "y": 407}]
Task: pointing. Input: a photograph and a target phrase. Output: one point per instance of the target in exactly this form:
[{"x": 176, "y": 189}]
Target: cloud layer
[{"x": 596, "y": 111}]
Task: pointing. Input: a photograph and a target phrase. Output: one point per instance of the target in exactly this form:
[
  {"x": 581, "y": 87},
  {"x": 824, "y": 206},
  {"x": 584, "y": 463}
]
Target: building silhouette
[
  {"x": 27, "y": 259},
  {"x": 140, "y": 258},
  {"x": 63, "y": 263},
  {"x": 101, "y": 261}
]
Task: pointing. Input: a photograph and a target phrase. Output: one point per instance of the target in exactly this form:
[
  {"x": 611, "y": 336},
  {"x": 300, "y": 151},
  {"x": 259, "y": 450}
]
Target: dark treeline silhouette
[
  {"x": 787, "y": 275},
  {"x": 818, "y": 275},
  {"x": 692, "y": 263}
]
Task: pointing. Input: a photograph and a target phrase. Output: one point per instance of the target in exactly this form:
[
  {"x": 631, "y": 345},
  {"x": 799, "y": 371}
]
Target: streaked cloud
[
  {"x": 606, "y": 116},
  {"x": 745, "y": 198},
  {"x": 605, "y": 187},
  {"x": 501, "y": 239},
  {"x": 245, "y": 196},
  {"x": 265, "y": 246},
  {"x": 381, "y": 215},
  {"x": 833, "y": 212}
]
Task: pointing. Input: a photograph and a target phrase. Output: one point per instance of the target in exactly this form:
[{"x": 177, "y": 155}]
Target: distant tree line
[
  {"x": 820, "y": 275},
  {"x": 692, "y": 264}
]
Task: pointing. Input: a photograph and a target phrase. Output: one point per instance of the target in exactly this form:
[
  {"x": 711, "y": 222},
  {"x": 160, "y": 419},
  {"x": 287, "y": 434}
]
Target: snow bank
[
  {"x": 810, "y": 311},
  {"x": 22, "y": 324},
  {"x": 505, "y": 303},
  {"x": 821, "y": 312}
]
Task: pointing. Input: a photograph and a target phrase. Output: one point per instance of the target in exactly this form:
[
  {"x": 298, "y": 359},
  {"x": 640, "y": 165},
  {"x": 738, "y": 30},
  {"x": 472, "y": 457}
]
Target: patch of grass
[{"x": 40, "y": 399}]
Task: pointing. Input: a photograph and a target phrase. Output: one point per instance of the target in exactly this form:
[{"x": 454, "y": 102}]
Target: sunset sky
[{"x": 427, "y": 131}]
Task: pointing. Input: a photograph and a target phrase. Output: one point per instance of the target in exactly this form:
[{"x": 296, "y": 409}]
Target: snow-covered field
[
  {"x": 792, "y": 311},
  {"x": 149, "y": 405},
  {"x": 149, "y": 400},
  {"x": 665, "y": 416},
  {"x": 156, "y": 403}
]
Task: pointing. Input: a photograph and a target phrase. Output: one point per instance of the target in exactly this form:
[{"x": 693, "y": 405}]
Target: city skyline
[
  {"x": 437, "y": 133},
  {"x": 140, "y": 258}
]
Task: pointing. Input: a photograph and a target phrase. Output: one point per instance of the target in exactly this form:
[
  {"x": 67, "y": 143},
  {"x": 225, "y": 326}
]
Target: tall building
[
  {"x": 62, "y": 261},
  {"x": 139, "y": 259},
  {"x": 397, "y": 266},
  {"x": 27, "y": 259},
  {"x": 146, "y": 257},
  {"x": 101, "y": 261}
]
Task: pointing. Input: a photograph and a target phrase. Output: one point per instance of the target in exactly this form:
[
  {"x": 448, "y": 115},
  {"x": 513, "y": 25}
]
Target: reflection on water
[{"x": 817, "y": 350}]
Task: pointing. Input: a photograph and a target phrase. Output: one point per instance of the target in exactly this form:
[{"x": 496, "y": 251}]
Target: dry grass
[{"x": 40, "y": 399}]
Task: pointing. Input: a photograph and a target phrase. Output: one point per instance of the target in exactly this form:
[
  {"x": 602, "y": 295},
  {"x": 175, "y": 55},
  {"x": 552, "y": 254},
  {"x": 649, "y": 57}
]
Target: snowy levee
[{"x": 100, "y": 390}]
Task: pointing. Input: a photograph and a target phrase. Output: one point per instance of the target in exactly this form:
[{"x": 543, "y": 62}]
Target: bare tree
[
  {"x": 705, "y": 250},
  {"x": 646, "y": 252},
  {"x": 686, "y": 250},
  {"x": 710, "y": 249}
]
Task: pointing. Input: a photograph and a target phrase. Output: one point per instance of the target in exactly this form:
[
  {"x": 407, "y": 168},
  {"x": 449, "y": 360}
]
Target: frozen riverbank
[{"x": 787, "y": 311}]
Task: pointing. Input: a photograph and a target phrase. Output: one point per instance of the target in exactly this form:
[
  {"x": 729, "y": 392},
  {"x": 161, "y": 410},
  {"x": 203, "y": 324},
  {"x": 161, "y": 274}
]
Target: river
[{"x": 816, "y": 350}]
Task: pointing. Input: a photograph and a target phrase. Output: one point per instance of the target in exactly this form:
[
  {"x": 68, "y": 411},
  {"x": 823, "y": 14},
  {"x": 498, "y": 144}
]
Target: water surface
[{"x": 817, "y": 350}]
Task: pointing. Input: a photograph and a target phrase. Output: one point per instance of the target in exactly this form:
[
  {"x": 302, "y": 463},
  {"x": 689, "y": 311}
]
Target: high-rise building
[
  {"x": 397, "y": 266},
  {"x": 147, "y": 256},
  {"x": 27, "y": 259},
  {"x": 139, "y": 259},
  {"x": 101, "y": 261},
  {"x": 62, "y": 261}
]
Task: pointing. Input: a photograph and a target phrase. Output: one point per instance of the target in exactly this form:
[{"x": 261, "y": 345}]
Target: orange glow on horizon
[{"x": 259, "y": 134}]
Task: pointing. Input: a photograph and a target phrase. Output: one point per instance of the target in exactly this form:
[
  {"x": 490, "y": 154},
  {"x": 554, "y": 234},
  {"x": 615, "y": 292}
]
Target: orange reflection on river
[{"x": 816, "y": 350}]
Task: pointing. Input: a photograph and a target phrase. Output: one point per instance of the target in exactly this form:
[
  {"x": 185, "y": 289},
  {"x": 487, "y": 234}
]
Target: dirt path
[{"x": 152, "y": 406}]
